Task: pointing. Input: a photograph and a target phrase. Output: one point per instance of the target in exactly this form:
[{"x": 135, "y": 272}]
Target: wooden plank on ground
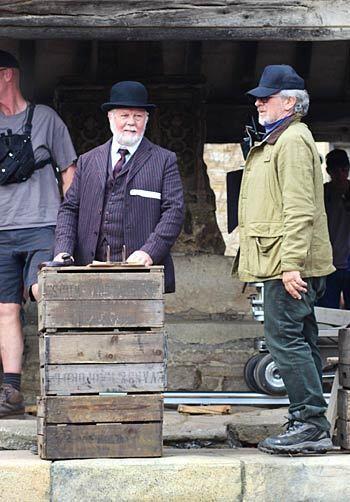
[
  {"x": 100, "y": 314},
  {"x": 101, "y": 286},
  {"x": 102, "y": 348},
  {"x": 94, "y": 378},
  {"x": 222, "y": 409},
  {"x": 94, "y": 409},
  {"x": 101, "y": 441}
]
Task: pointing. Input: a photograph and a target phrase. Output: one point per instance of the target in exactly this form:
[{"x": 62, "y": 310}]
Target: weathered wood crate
[
  {"x": 100, "y": 426},
  {"x": 102, "y": 362},
  {"x": 87, "y": 297},
  {"x": 344, "y": 357},
  {"x": 343, "y": 422}
]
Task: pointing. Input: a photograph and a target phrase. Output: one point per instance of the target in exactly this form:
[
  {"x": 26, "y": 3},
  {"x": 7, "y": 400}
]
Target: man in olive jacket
[{"x": 284, "y": 242}]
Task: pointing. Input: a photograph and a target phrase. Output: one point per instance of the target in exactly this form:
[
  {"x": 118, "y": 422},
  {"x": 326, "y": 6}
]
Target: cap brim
[
  {"x": 262, "y": 92},
  {"x": 110, "y": 106}
]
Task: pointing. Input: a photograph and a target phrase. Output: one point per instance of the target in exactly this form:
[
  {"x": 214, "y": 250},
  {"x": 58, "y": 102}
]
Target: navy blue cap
[
  {"x": 7, "y": 60},
  {"x": 128, "y": 94},
  {"x": 276, "y": 78}
]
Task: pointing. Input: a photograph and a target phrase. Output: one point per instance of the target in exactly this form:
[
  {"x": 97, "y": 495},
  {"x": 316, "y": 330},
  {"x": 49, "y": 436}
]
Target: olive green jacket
[{"x": 282, "y": 219}]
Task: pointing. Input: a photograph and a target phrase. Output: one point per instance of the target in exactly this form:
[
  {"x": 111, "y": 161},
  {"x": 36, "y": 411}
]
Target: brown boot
[{"x": 11, "y": 401}]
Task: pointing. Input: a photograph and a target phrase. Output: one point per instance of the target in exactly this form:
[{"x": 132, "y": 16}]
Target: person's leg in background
[
  {"x": 331, "y": 297},
  {"x": 21, "y": 251},
  {"x": 346, "y": 289},
  {"x": 11, "y": 337}
]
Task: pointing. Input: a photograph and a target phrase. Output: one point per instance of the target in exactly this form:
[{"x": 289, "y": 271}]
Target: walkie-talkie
[{"x": 252, "y": 135}]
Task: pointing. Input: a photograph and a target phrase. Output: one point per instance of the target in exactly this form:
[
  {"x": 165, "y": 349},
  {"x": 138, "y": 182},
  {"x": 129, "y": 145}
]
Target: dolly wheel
[
  {"x": 249, "y": 372},
  {"x": 268, "y": 378}
]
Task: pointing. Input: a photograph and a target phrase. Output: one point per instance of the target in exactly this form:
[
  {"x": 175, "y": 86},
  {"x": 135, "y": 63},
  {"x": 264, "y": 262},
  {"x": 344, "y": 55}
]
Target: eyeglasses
[{"x": 265, "y": 100}]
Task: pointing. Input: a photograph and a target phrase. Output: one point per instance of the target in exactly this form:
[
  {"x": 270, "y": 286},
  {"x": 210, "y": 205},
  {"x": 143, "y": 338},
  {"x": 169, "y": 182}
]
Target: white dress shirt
[{"x": 115, "y": 156}]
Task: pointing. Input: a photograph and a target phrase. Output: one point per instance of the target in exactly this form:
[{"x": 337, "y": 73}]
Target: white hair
[{"x": 302, "y": 99}]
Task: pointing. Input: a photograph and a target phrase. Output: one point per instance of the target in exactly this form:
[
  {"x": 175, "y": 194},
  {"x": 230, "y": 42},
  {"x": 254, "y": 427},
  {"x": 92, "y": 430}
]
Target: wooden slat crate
[
  {"x": 116, "y": 297},
  {"x": 100, "y": 426},
  {"x": 102, "y": 362},
  {"x": 344, "y": 357},
  {"x": 95, "y": 362}
]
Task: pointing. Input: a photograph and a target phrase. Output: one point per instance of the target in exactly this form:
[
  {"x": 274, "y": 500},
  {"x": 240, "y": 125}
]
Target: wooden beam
[{"x": 180, "y": 20}]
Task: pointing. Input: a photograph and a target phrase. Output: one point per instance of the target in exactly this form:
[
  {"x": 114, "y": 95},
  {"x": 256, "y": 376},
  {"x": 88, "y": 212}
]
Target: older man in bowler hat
[
  {"x": 126, "y": 192},
  {"x": 284, "y": 242}
]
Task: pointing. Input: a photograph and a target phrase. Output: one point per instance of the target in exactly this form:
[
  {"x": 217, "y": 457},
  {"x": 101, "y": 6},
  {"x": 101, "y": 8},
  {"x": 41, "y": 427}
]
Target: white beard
[{"x": 126, "y": 138}]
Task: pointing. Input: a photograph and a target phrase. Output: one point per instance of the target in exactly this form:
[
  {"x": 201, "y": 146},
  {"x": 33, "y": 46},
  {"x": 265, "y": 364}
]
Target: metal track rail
[{"x": 246, "y": 398}]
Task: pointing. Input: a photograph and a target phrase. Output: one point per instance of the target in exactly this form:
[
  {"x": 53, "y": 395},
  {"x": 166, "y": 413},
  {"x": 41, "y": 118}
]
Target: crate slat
[
  {"x": 100, "y": 314},
  {"x": 343, "y": 433},
  {"x": 94, "y": 409},
  {"x": 344, "y": 404},
  {"x": 94, "y": 378},
  {"x": 344, "y": 375},
  {"x": 101, "y": 441},
  {"x": 102, "y": 348},
  {"x": 105, "y": 285},
  {"x": 344, "y": 346}
]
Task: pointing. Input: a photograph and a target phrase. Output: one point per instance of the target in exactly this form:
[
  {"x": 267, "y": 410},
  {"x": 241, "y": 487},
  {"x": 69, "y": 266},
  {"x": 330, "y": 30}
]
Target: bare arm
[{"x": 67, "y": 177}]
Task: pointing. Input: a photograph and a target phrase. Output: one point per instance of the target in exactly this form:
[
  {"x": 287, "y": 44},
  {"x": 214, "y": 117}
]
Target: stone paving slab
[
  {"x": 191, "y": 475},
  {"x": 239, "y": 475},
  {"x": 227, "y": 475},
  {"x": 18, "y": 434},
  {"x": 24, "y": 477},
  {"x": 316, "y": 478}
]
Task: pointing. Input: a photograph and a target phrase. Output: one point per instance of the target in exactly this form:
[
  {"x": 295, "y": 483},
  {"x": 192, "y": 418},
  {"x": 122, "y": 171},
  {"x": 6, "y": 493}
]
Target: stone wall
[{"x": 220, "y": 159}]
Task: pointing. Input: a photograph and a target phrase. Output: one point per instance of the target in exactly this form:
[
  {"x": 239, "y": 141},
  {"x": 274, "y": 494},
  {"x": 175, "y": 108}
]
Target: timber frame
[{"x": 313, "y": 20}]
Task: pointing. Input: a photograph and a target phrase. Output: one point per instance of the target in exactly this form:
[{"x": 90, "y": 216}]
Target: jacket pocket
[{"x": 264, "y": 249}]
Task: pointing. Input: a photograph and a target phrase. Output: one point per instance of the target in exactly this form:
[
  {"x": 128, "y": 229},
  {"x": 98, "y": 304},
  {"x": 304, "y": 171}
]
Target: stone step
[
  {"x": 234, "y": 475},
  {"x": 244, "y": 426}
]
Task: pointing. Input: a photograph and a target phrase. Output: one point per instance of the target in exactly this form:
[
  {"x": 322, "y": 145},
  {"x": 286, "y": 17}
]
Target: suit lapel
[
  {"x": 101, "y": 159},
  {"x": 139, "y": 158}
]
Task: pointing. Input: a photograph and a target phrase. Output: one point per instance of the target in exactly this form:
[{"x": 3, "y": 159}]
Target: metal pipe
[{"x": 246, "y": 398}]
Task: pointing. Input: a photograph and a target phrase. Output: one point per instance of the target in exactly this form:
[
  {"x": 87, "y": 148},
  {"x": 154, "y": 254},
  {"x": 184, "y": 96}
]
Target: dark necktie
[{"x": 118, "y": 167}]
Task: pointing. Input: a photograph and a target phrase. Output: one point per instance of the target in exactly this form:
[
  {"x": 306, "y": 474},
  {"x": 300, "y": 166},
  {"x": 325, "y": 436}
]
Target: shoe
[
  {"x": 11, "y": 401},
  {"x": 299, "y": 437}
]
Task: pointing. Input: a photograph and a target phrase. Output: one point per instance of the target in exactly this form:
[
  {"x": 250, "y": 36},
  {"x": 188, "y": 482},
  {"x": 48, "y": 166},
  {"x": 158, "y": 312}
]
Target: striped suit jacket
[{"x": 153, "y": 206}]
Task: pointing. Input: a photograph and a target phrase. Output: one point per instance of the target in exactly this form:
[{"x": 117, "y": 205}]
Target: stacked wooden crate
[
  {"x": 343, "y": 423},
  {"x": 103, "y": 362}
]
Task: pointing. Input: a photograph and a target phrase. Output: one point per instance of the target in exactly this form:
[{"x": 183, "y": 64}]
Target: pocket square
[{"x": 146, "y": 193}]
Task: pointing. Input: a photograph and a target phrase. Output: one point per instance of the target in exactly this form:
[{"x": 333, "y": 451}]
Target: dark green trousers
[{"x": 291, "y": 334}]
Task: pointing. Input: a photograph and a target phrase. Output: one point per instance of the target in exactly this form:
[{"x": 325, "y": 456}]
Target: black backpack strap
[{"x": 28, "y": 124}]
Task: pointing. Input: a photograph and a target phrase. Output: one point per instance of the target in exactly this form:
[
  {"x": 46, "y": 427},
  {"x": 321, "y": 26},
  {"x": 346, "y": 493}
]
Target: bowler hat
[
  {"x": 7, "y": 60},
  {"x": 128, "y": 94},
  {"x": 276, "y": 78}
]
